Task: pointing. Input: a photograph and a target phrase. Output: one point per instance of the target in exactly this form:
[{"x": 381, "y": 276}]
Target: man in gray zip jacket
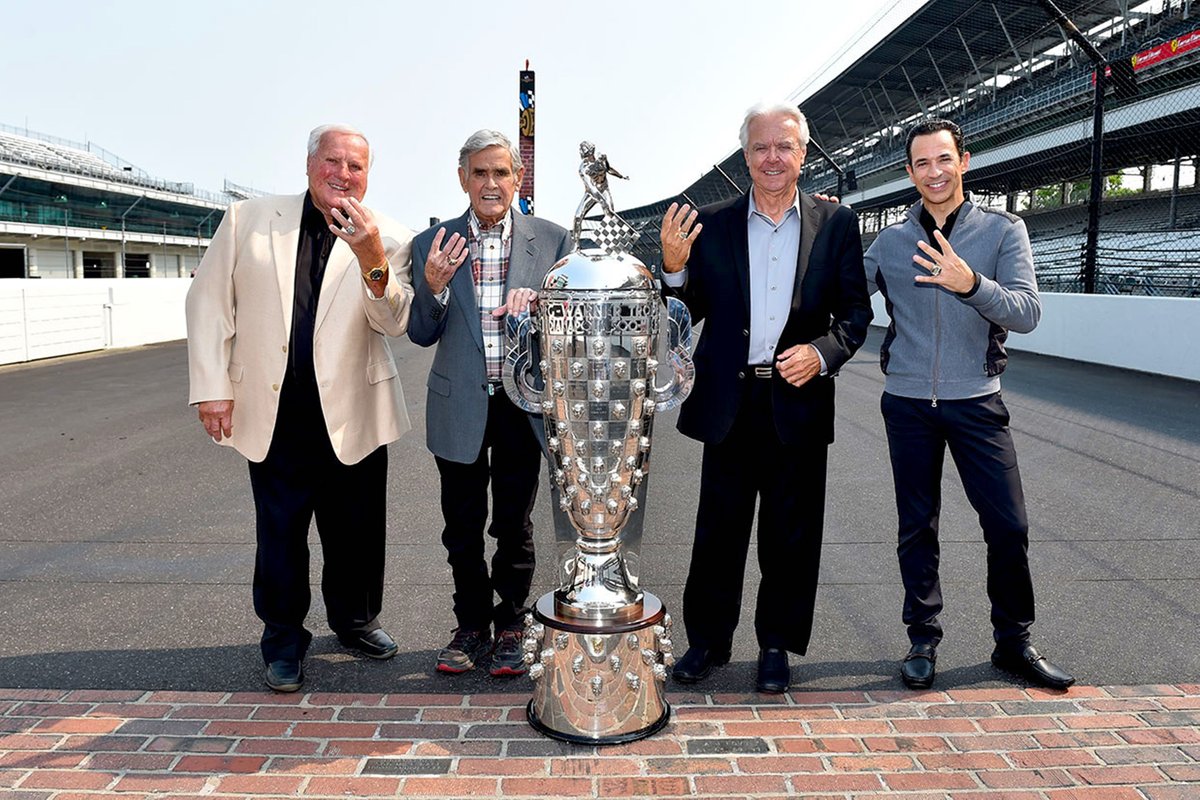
[{"x": 957, "y": 278}]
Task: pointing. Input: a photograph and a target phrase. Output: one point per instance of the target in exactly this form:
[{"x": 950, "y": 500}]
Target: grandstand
[
  {"x": 1149, "y": 244},
  {"x": 1022, "y": 92},
  {"x": 71, "y": 210}
]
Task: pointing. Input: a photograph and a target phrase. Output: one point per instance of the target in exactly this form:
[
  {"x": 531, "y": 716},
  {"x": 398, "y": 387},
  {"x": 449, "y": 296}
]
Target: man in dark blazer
[
  {"x": 777, "y": 277},
  {"x": 468, "y": 274}
]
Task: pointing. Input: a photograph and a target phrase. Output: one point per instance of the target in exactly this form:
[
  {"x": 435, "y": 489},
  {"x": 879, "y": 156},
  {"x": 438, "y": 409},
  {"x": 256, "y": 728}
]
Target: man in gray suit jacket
[{"x": 490, "y": 265}]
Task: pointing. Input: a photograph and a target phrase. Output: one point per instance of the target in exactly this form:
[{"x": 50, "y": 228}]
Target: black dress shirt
[
  {"x": 300, "y": 416},
  {"x": 312, "y": 254}
]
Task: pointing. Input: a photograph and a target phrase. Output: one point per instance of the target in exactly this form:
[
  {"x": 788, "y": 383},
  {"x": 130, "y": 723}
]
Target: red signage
[{"x": 1161, "y": 52}]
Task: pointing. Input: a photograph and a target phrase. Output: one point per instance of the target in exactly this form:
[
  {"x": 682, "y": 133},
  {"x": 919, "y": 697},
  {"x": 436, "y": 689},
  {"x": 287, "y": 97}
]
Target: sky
[{"x": 204, "y": 92}]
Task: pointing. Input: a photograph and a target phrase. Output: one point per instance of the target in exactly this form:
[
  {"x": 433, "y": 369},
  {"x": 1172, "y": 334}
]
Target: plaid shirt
[{"x": 490, "y": 250}]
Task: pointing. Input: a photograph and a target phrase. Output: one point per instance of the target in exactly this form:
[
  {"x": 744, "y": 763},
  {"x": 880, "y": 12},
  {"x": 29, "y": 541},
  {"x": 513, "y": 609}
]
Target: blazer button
[
  {"x": 275, "y": 387},
  {"x": 741, "y": 376},
  {"x": 745, "y": 332},
  {"x": 284, "y": 348}
]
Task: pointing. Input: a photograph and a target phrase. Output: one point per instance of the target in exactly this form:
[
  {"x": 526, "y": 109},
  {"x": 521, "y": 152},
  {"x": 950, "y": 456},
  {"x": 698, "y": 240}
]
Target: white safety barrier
[
  {"x": 45, "y": 318},
  {"x": 1149, "y": 334}
]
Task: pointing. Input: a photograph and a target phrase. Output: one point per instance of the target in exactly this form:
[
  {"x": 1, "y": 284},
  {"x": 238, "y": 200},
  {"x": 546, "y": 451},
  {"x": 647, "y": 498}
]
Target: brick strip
[{"x": 1089, "y": 743}]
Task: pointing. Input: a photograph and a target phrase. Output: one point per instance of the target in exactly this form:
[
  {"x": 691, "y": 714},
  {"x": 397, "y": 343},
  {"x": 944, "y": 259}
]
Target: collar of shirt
[
  {"x": 794, "y": 208},
  {"x": 930, "y": 224},
  {"x": 312, "y": 220},
  {"x": 478, "y": 231},
  {"x": 315, "y": 234}
]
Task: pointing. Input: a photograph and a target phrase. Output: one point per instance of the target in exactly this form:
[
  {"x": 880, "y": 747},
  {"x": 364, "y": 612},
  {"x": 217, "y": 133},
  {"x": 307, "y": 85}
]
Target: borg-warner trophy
[{"x": 598, "y": 647}]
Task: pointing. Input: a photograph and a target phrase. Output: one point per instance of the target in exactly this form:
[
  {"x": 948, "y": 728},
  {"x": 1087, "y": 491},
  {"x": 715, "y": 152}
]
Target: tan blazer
[{"x": 239, "y": 319}]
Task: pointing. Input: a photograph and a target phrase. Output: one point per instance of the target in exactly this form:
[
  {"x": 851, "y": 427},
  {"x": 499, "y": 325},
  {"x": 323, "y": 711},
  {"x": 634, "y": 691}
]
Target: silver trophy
[{"x": 598, "y": 647}]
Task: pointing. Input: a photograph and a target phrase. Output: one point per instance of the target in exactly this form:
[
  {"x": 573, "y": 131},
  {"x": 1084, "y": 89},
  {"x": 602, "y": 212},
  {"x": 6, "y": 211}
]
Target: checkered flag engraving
[{"x": 610, "y": 233}]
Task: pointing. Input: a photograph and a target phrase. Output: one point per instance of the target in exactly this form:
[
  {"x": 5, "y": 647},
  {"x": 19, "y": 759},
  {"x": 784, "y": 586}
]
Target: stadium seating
[{"x": 60, "y": 156}]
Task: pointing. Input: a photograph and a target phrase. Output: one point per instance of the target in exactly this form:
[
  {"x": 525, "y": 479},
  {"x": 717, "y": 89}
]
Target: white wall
[
  {"x": 1150, "y": 334},
  {"x": 44, "y": 318},
  {"x": 145, "y": 311}
]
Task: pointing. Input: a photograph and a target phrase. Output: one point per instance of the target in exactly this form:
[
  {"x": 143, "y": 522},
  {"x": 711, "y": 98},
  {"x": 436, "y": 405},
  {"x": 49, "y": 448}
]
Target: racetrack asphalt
[{"x": 127, "y": 544}]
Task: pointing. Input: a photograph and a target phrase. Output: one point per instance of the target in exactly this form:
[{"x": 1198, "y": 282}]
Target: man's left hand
[
  {"x": 359, "y": 230},
  {"x": 945, "y": 268},
  {"x": 519, "y": 301},
  {"x": 798, "y": 364}
]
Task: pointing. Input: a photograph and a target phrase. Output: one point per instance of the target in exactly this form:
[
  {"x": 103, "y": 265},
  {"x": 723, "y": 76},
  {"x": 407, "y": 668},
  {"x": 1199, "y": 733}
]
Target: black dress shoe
[
  {"x": 1032, "y": 666},
  {"x": 285, "y": 675},
  {"x": 917, "y": 668},
  {"x": 372, "y": 644},
  {"x": 774, "y": 673},
  {"x": 697, "y": 663}
]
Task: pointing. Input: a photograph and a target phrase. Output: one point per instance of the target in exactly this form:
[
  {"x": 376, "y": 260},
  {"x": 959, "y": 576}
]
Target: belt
[
  {"x": 494, "y": 387},
  {"x": 761, "y": 370}
]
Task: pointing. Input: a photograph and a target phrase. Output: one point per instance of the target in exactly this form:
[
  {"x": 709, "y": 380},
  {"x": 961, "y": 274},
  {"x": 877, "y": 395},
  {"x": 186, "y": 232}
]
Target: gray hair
[
  {"x": 482, "y": 140},
  {"x": 764, "y": 109},
  {"x": 318, "y": 133}
]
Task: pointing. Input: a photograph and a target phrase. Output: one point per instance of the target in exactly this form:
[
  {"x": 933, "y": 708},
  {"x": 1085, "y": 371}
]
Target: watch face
[{"x": 375, "y": 274}]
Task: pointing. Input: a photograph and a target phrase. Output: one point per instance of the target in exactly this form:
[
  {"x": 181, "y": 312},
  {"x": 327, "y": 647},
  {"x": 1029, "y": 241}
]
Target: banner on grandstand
[
  {"x": 525, "y": 142},
  {"x": 1164, "y": 51}
]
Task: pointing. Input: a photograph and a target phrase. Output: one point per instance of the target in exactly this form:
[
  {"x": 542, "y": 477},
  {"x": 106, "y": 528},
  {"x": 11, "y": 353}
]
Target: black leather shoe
[
  {"x": 285, "y": 675},
  {"x": 774, "y": 673},
  {"x": 697, "y": 663},
  {"x": 917, "y": 668},
  {"x": 372, "y": 644},
  {"x": 1032, "y": 666}
]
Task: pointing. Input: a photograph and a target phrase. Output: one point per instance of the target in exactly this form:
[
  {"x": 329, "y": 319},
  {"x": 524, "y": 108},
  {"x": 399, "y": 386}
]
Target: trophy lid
[{"x": 597, "y": 269}]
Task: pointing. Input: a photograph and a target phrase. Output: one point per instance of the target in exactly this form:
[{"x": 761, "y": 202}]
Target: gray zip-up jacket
[{"x": 942, "y": 345}]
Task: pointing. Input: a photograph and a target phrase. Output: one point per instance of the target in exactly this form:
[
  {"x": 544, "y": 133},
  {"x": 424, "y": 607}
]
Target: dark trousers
[
  {"x": 510, "y": 461},
  {"x": 789, "y": 483},
  {"x": 976, "y": 431},
  {"x": 301, "y": 477}
]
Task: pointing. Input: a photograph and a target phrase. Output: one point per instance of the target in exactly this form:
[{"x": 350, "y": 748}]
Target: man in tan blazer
[{"x": 289, "y": 364}]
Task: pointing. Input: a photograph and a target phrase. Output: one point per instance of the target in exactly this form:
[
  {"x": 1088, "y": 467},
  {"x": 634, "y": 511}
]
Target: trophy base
[
  {"x": 600, "y": 681},
  {"x": 564, "y": 609},
  {"x": 579, "y": 738}
]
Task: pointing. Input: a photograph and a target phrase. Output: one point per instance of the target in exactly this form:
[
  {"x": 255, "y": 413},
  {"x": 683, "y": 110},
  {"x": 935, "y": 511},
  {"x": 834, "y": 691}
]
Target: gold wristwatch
[{"x": 375, "y": 274}]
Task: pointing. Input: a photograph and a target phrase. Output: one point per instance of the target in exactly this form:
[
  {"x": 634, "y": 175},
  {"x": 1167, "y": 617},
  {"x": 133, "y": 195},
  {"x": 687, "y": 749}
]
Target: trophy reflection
[{"x": 598, "y": 646}]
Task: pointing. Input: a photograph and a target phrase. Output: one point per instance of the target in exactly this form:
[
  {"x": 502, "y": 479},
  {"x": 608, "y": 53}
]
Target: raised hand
[
  {"x": 359, "y": 230},
  {"x": 442, "y": 263},
  {"x": 945, "y": 268},
  {"x": 679, "y": 231}
]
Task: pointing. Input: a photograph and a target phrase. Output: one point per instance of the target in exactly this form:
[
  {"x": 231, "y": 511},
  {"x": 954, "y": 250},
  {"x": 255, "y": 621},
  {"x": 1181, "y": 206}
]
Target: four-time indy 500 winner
[{"x": 598, "y": 647}]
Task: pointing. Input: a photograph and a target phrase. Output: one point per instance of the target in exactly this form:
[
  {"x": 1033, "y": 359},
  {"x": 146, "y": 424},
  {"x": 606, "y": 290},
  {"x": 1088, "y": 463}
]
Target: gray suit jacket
[{"x": 456, "y": 404}]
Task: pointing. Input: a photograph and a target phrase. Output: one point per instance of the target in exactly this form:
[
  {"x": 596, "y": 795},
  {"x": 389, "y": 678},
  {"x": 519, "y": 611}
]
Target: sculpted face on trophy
[{"x": 587, "y": 362}]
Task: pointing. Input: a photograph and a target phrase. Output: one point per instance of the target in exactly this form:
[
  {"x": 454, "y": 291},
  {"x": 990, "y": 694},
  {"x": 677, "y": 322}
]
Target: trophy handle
[
  {"x": 679, "y": 357},
  {"x": 518, "y": 374}
]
